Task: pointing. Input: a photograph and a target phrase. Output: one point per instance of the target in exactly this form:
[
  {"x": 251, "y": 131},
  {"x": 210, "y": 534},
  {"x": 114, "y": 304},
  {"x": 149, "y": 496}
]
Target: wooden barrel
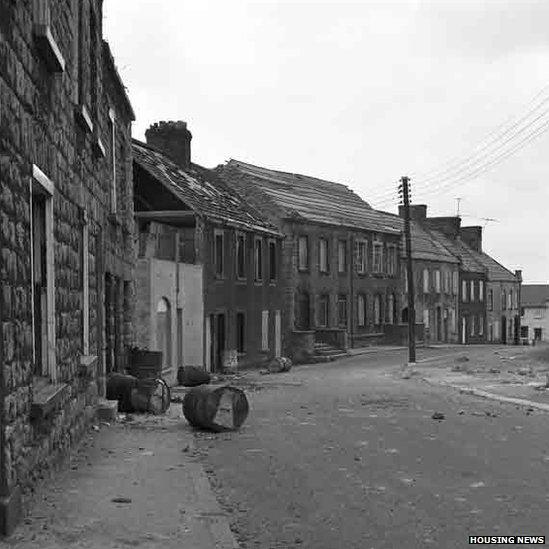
[{"x": 221, "y": 408}]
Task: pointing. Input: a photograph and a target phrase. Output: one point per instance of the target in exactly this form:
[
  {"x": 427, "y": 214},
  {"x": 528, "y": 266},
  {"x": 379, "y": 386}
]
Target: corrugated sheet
[
  {"x": 314, "y": 200},
  {"x": 534, "y": 295},
  {"x": 200, "y": 189}
]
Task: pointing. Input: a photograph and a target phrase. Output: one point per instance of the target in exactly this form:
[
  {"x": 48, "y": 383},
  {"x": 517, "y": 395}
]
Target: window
[
  {"x": 510, "y": 299},
  {"x": 426, "y": 318},
  {"x": 265, "y": 330},
  {"x": 342, "y": 310},
  {"x": 481, "y": 290},
  {"x": 342, "y": 256},
  {"x": 391, "y": 309},
  {"x": 258, "y": 259},
  {"x": 361, "y": 310},
  {"x": 425, "y": 281},
  {"x": 42, "y": 269},
  {"x": 323, "y": 311},
  {"x": 504, "y": 300},
  {"x": 112, "y": 131},
  {"x": 377, "y": 310},
  {"x": 481, "y": 325},
  {"x": 47, "y": 46},
  {"x": 240, "y": 256},
  {"x": 303, "y": 253},
  {"x": 323, "y": 255},
  {"x": 272, "y": 261},
  {"x": 455, "y": 282},
  {"x": 437, "y": 281},
  {"x": 464, "y": 291},
  {"x": 377, "y": 257},
  {"x": 361, "y": 256},
  {"x": 240, "y": 333},
  {"x": 490, "y": 300},
  {"x": 472, "y": 288},
  {"x": 219, "y": 253},
  {"x": 405, "y": 281},
  {"x": 472, "y": 318},
  {"x": 392, "y": 260}
]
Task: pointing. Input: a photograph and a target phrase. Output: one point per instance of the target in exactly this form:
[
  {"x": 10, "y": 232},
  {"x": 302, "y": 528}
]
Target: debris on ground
[
  {"x": 494, "y": 370},
  {"x": 462, "y": 358},
  {"x": 461, "y": 412},
  {"x": 191, "y": 376},
  {"x": 279, "y": 364},
  {"x": 438, "y": 415},
  {"x": 121, "y": 500}
]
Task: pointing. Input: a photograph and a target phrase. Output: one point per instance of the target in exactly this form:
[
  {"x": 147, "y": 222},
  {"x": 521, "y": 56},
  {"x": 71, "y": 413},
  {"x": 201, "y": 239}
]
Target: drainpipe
[{"x": 351, "y": 287}]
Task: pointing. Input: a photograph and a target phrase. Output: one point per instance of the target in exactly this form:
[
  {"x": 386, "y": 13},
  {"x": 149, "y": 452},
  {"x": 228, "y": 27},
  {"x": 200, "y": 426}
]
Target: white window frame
[
  {"x": 481, "y": 290},
  {"x": 472, "y": 288},
  {"x": 426, "y": 318},
  {"x": 377, "y": 260},
  {"x": 472, "y": 320},
  {"x": 437, "y": 281},
  {"x": 41, "y": 184},
  {"x": 464, "y": 294},
  {"x": 341, "y": 256},
  {"x": 361, "y": 256},
  {"x": 392, "y": 260},
  {"x": 510, "y": 299}
]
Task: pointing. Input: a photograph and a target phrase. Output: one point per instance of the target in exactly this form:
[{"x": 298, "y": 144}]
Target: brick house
[
  {"x": 240, "y": 316},
  {"x": 66, "y": 233},
  {"x": 436, "y": 281},
  {"x": 340, "y": 266}
]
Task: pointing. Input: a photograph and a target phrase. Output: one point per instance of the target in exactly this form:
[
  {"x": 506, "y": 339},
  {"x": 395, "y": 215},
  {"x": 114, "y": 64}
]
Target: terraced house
[
  {"x": 340, "y": 261},
  {"x": 66, "y": 233},
  {"x": 208, "y": 269}
]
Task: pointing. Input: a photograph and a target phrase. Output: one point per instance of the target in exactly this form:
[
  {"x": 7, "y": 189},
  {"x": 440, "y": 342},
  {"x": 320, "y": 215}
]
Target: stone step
[{"x": 328, "y": 352}]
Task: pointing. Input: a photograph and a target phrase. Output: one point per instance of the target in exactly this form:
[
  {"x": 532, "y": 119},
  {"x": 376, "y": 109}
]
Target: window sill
[
  {"x": 47, "y": 397},
  {"x": 87, "y": 366},
  {"x": 48, "y": 48},
  {"x": 83, "y": 118}
]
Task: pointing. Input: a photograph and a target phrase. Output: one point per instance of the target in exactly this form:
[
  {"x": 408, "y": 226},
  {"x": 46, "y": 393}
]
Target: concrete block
[{"x": 107, "y": 410}]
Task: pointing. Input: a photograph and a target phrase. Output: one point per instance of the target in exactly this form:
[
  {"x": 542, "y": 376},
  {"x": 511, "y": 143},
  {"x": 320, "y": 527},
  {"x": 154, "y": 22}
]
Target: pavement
[{"x": 135, "y": 483}]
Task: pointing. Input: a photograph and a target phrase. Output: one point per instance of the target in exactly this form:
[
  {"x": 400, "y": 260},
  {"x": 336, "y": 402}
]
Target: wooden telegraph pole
[{"x": 404, "y": 192}]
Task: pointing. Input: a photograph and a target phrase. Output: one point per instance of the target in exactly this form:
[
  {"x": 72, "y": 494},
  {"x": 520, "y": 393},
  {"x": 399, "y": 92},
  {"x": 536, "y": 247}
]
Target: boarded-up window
[
  {"x": 303, "y": 253},
  {"x": 455, "y": 282},
  {"x": 377, "y": 310},
  {"x": 472, "y": 287},
  {"x": 391, "y": 309},
  {"x": 219, "y": 255},
  {"x": 265, "y": 330},
  {"x": 437, "y": 281},
  {"x": 342, "y": 256},
  {"x": 481, "y": 290},
  {"x": 361, "y": 310},
  {"x": 464, "y": 291},
  {"x": 323, "y": 255},
  {"x": 425, "y": 281},
  {"x": 392, "y": 260}
]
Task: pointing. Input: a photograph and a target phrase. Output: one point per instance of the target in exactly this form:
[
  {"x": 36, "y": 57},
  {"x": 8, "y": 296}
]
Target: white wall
[{"x": 536, "y": 317}]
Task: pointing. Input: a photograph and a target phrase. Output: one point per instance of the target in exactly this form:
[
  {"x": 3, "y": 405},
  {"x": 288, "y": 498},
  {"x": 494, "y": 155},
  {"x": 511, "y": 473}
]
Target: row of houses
[{"x": 108, "y": 242}]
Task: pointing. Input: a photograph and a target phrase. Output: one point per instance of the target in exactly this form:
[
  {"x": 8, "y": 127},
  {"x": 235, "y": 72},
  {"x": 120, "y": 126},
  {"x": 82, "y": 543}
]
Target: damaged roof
[
  {"x": 534, "y": 295},
  {"x": 309, "y": 199},
  {"x": 427, "y": 246},
  {"x": 468, "y": 262},
  {"x": 496, "y": 271},
  {"x": 201, "y": 190}
]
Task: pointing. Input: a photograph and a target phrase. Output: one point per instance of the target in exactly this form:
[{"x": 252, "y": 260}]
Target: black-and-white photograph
[{"x": 274, "y": 274}]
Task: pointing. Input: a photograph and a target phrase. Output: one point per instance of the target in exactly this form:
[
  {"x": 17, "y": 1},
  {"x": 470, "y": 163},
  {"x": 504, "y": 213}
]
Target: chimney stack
[
  {"x": 418, "y": 212},
  {"x": 518, "y": 275},
  {"x": 449, "y": 226},
  {"x": 472, "y": 236},
  {"x": 173, "y": 139}
]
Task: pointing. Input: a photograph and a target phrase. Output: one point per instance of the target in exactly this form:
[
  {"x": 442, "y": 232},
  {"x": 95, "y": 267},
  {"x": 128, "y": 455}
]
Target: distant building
[
  {"x": 535, "y": 312},
  {"x": 66, "y": 234},
  {"x": 340, "y": 262},
  {"x": 209, "y": 264}
]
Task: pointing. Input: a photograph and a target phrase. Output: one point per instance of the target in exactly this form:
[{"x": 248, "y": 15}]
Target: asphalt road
[{"x": 346, "y": 455}]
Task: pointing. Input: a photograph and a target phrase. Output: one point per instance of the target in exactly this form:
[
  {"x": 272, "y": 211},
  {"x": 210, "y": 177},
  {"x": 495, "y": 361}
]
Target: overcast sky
[{"x": 360, "y": 93}]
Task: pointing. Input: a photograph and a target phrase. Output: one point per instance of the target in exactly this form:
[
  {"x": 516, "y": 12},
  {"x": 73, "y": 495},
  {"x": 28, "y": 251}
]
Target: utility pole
[
  {"x": 404, "y": 192},
  {"x": 458, "y": 200}
]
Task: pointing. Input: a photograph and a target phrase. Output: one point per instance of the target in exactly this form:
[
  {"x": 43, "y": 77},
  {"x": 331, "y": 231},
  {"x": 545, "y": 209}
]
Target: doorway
[
  {"x": 303, "y": 312},
  {"x": 439, "y": 324},
  {"x": 217, "y": 341},
  {"x": 463, "y": 330},
  {"x": 164, "y": 332},
  {"x": 504, "y": 330}
]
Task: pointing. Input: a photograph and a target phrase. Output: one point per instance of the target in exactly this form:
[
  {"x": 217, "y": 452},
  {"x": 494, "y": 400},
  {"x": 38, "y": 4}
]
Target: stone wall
[{"x": 41, "y": 125}]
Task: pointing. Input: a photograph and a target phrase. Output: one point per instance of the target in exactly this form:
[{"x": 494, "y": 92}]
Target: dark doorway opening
[{"x": 504, "y": 329}]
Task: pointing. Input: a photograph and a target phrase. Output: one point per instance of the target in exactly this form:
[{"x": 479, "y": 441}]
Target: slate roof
[
  {"x": 496, "y": 271},
  {"x": 201, "y": 190},
  {"x": 427, "y": 246},
  {"x": 534, "y": 295},
  {"x": 458, "y": 248},
  {"x": 310, "y": 199}
]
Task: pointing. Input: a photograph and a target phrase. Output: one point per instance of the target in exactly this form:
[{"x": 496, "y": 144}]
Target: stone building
[
  {"x": 340, "y": 265},
  {"x": 436, "y": 281},
  {"x": 239, "y": 318},
  {"x": 535, "y": 312},
  {"x": 503, "y": 292},
  {"x": 66, "y": 233}
]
